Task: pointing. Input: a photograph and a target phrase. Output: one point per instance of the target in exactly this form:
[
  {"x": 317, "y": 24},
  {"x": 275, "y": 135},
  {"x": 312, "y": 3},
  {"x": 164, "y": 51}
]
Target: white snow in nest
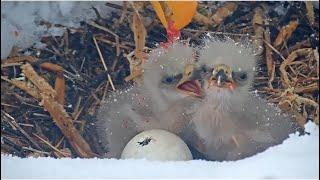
[
  {"x": 20, "y": 20},
  {"x": 296, "y": 157}
]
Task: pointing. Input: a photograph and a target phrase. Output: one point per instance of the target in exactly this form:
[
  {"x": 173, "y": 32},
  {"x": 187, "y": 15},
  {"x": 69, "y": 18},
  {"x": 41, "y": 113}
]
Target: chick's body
[
  {"x": 231, "y": 123},
  {"x": 154, "y": 104}
]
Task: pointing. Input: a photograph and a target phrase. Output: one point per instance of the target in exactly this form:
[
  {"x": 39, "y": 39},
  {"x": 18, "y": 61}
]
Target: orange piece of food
[{"x": 179, "y": 12}]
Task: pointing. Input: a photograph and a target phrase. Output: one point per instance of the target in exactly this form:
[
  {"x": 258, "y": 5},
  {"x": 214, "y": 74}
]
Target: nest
[{"x": 49, "y": 97}]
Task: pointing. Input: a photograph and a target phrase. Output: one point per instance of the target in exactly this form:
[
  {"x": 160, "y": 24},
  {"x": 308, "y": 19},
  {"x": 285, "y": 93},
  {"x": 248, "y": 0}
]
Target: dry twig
[
  {"x": 50, "y": 145},
  {"x": 104, "y": 64},
  {"x": 223, "y": 12},
  {"x": 285, "y": 33},
  {"x": 310, "y": 12},
  {"x": 12, "y": 121},
  {"x": 58, "y": 113},
  {"x": 271, "y": 67},
  {"x": 258, "y": 22},
  {"x": 108, "y": 31},
  {"x": 201, "y": 19},
  {"x": 284, "y": 74}
]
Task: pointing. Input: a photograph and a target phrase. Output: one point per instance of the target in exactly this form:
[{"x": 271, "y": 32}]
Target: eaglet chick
[
  {"x": 161, "y": 101},
  {"x": 231, "y": 123}
]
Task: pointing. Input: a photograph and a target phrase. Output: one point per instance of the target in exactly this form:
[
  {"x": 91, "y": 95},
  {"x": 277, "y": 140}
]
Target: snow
[
  {"x": 20, "y": 20},
  {"x": 296, "y": 157}
]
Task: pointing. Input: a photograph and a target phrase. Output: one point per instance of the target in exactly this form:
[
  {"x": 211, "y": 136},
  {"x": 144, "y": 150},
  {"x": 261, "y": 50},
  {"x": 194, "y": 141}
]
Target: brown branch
[
  {"x": 123, "y": 14},
  {"x": 38, "y": 81},
  {"x": 58, "y": 113},
  {"x": 307, "y": 89},
  {"x": 139, "y": 33},
  {"x": 19, "y": 59},
  {"x": 60, "y": 87},
  {"x": 271, "y": 67},
  {"x": 295, "y": 54},
  {"x": 316, "y": 56},
  {"x": 103, "y": 62},
  {"x": 310, "y": 12},
  {"x": 108, "y": 31},
  {"x": 285, "y": 33},
  {"x": 223, "y": 12},
  {"x": 50, "y": 145},
  {"x": 10, "y": 119},
  {"x": 201, "y": 19},
  {"x": 258, "y": 23},
  {"x": 24, "y": 86}
]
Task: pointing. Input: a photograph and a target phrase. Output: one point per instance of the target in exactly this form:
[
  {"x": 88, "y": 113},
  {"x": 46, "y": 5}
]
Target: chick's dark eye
[
  {"x": 240, "y": 76},
  {"x": 169, "y": 79},
  {"x": 243, "y": 76},
  {"x": 204, "y": 69}
]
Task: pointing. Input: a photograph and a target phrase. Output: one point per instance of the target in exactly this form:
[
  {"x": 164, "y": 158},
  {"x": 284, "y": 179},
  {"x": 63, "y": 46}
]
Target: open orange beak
[
  {"x": 191, "y": 88},
  {"x": 189, "y": 85}
]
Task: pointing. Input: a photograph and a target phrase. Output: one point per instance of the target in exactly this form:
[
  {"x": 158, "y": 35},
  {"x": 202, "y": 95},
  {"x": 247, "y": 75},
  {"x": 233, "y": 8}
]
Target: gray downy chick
[
  {"x": 169, "y": 85},
  {"x": 230, "y": 122}
]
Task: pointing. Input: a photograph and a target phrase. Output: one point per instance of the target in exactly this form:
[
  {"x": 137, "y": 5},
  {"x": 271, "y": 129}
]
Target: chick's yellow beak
[{"x": 221, "y": 77}]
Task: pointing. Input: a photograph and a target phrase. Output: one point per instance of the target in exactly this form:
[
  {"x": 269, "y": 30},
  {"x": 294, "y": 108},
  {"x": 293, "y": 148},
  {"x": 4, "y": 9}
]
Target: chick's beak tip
[
  {"x": 232, "y": 87},
  {"x": 219, "y": 81}
]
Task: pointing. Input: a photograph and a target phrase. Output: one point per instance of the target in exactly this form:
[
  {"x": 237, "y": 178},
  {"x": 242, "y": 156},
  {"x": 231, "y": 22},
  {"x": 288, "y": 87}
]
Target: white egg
[{"x": 157, "y": 144}]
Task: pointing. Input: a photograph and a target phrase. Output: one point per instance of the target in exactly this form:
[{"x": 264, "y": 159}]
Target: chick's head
[
  {"x": 169, "y": 74},
  {"x": 230, "y": 68}
]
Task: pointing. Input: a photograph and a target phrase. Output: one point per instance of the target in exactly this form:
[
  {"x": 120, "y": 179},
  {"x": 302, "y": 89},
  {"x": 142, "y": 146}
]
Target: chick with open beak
[
  {"x": 230, "y": 122},
  {"x": 190, "y": 84},
  {"x": 160, "y": 102}
]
